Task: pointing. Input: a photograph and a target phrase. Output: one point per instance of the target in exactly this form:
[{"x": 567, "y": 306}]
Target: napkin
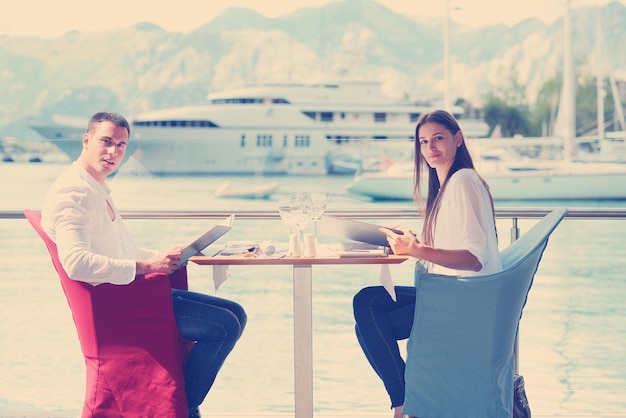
[
  {"x": 220, "y": 275},
  {"x": 387, "y": 281}
]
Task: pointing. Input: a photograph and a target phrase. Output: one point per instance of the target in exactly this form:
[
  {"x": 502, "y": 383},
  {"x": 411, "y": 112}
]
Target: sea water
[{"x": 572, "y": 337}]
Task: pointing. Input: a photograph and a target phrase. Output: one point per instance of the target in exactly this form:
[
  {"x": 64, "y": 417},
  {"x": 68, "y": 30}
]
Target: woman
[{"x": 458, "y": 238}]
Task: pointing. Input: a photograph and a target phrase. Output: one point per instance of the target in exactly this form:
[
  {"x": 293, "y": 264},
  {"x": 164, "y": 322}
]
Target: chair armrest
[{"x": 177, "y": 280}]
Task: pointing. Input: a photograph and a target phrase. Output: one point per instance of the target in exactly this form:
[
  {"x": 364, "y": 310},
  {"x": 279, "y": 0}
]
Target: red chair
[{"x": 133, "y": 352}]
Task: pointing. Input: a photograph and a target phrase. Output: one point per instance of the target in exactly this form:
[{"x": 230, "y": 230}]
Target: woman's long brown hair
[{"x": 462, "y": 159}]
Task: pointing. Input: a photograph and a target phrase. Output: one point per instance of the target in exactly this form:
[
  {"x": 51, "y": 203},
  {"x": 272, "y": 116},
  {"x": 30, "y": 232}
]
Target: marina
[
  {"x": 571, "y": 335},
  {"x": 238, "y": 150}
]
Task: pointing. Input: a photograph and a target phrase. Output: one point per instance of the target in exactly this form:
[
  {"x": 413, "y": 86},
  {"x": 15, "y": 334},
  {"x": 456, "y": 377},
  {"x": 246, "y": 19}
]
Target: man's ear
[{"x": 85, "y": 140}]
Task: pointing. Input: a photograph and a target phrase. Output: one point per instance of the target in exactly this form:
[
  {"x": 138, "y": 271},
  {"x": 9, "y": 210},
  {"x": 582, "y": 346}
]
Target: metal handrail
[{"x": 398, "y": 213}]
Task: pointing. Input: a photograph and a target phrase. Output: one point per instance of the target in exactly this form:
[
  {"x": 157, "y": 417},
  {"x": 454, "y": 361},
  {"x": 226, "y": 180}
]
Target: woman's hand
[{"x": 405, "y": 243}]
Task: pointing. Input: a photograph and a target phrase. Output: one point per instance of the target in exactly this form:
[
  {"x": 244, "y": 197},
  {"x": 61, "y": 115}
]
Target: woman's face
[{"x": 438, "y": 145}]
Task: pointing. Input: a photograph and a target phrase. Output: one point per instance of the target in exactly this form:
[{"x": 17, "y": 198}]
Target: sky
[{"x": 52, "y": 19}]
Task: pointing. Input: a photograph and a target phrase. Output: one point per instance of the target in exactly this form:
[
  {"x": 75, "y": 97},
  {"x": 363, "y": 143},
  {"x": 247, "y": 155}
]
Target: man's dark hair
[{"x": 115, "y": 118}]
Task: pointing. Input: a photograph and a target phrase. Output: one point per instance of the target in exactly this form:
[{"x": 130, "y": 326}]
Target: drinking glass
[
  {"x": 300, "y": 205},
  {"x": 317, "y": 202},
  {"x": 287, "y": 211}
]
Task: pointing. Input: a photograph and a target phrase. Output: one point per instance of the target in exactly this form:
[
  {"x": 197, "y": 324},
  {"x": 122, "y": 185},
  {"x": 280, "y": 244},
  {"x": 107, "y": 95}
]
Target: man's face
[{"x": 103, "y": 149}]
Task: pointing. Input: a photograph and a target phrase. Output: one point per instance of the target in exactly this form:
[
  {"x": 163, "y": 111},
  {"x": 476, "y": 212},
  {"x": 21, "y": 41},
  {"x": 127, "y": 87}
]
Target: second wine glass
[
  {"x": 286, "y": 211},
  {"x": 301, "y": 208},
  {"x": 317, "y": 202}
]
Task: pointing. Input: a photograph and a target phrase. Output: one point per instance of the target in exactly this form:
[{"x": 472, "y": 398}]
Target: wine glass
[
  {"x": 317, "y": 202},
  {"x": 286, "y": 211},
  {"x": 301, "y": 211}
]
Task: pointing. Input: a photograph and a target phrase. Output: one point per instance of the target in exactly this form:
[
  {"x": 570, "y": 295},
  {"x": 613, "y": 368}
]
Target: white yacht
[
  {"x": 509, "y": 176},
  {"x": 303, "y": 129}
]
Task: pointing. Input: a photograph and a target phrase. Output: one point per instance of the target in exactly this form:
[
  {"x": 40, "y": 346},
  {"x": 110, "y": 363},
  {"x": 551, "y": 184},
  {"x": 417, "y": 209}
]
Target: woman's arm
[{"x": 408, "y": 244}]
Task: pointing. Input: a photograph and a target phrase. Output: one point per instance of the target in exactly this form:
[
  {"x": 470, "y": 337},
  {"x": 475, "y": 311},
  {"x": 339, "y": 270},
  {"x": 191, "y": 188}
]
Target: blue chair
[{"x": 461, "y": 352}]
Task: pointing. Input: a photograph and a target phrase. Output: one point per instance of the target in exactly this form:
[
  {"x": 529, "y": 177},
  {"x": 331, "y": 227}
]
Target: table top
[{"x": 295, "y": 261}]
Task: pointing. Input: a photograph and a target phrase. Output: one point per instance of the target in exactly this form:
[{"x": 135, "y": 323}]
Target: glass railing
[{"x": 571, "y": 333}]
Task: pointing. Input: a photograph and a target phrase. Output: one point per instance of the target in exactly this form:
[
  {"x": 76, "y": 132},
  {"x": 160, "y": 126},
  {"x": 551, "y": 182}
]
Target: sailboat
[{"x": 513, "y": 178}]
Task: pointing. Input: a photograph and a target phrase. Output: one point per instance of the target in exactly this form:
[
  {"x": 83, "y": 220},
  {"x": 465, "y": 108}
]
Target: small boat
[{"x": 258, "y": 191}]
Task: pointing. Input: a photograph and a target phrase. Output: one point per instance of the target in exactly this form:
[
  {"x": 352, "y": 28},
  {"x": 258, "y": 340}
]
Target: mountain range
[{"x": 144, "y": 67}]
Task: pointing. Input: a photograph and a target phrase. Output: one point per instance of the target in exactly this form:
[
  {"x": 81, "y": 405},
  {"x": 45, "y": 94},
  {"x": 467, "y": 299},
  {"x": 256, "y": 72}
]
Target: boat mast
[
  {"x": 600, "y": 76},
  {"x": 619, "y": 111},
  {"x": 568, "y": 109},
  {"x": 447, "y": 105}
]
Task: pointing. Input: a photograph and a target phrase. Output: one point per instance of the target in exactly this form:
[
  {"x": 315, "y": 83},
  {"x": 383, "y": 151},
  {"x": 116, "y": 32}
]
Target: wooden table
[{"x": 302, "y": 310}]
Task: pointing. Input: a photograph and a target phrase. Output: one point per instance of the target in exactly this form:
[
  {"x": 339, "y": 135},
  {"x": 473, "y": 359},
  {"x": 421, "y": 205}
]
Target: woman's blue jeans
[
  {"x": 215, "y": 324},
  {"x": 380, "y": 324}
]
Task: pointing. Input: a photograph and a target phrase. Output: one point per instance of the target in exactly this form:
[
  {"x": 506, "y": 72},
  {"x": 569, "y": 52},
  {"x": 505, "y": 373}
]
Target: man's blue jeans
[
  {"x": 380, "y": 324},
  {"x": 215, "y": 324}
]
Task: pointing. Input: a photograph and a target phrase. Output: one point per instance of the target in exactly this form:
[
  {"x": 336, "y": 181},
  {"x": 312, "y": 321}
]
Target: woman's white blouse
[
  {"x": 465, "y": 221},
  {"x": 92, "y": 247}
]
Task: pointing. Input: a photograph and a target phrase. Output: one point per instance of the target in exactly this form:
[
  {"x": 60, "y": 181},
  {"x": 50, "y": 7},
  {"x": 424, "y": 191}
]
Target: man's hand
[{"x": 164, "y": 262}]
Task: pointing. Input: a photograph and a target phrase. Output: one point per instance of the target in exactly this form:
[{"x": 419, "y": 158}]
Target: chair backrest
[
  {"x": 533, "y": 238},
  {"x": 529, "y": 248},
  {"x": 77, "y": 293},
  {"x": 460, "y": 354},
  {"x": 129, "y": 338}
]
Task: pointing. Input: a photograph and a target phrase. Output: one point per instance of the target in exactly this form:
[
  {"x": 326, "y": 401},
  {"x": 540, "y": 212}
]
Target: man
[{"x": 95, "y": 247}]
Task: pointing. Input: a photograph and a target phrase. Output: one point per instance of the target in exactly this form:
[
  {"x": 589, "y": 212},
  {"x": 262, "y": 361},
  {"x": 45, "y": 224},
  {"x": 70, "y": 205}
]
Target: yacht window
[
  {"x": 326, "y": 116},
  {"x": 414, "y": 117},
  {"x": 380, "y": 117},
  {"x": 301, "y": 141},
  {"x": 243, "y": 140},
  {"x": 176, "y": 123},
  {"x": 312, "y": 115},
  {"x": 250, "y": 100},
  {"x": 263, "y": 141},
  {"x": 338, "y": 139},
  {"x": 285, "y": 141}
]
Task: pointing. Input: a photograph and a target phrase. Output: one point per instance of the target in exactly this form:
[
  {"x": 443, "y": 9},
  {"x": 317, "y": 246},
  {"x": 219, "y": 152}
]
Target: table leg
[{"x": 303, "y": 340}]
